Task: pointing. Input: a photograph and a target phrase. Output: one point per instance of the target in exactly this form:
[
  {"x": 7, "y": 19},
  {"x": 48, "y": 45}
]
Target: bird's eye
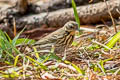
[{"x": 70, "y": 26}]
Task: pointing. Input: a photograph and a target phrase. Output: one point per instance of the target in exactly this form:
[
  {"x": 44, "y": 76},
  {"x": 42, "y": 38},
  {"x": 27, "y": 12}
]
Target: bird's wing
[{"x": 51, "y": 38}]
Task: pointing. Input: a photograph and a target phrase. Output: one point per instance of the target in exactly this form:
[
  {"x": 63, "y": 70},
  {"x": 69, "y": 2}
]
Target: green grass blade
[
  {"x": 15, "y": 39},
  {"x": 75, "y": 12},
  {"x": 113, "y": 40},
  {"x": 47, "y": 58},
  {"x": 102, "y": 66},
  {"x": 77, "y": 68},
  {"x": 35, "y": 61},
  {"x": 25, "y": 41},
  {"x": 10, "y": 54},
  {"x": 36, "y": 53},
  {"x": 8, "y": 37},
  {"x": 109, "y": 59},
  {"x": 16, "y": 60}
]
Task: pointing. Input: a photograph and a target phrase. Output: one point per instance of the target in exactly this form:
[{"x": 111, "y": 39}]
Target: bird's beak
[{"x": 77, "y": 27}]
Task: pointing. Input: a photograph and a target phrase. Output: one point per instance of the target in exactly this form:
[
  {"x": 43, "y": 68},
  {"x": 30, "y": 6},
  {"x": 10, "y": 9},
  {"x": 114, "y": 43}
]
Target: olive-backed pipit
[{"x": 60, "y": 39}]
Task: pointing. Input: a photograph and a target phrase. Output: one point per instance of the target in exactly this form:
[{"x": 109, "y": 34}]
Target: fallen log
[
  {"x": 88, "y": 14},
  {"x": 52, "y": 5},
  {"x": 24, "y": 7}
]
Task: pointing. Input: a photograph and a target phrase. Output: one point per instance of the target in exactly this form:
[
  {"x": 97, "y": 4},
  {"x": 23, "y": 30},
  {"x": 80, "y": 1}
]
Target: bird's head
[{"x": 71, "y": 26}]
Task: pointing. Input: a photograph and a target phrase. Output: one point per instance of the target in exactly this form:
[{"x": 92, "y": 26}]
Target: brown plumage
[{"x": 60, "y": 39}]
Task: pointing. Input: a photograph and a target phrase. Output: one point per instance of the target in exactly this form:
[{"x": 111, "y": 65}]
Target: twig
[
  {"x": 14, "y": 25},
  {"x": 115, "y": 29},
  {"x": 102, "y": 45}
]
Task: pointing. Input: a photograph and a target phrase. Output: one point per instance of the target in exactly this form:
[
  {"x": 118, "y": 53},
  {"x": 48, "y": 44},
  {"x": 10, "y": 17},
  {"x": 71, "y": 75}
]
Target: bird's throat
[{"x": 72, "y": 33}]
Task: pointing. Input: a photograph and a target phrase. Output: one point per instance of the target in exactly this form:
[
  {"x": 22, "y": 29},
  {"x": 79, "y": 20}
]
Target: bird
[{"x": 61, "y": 39}]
